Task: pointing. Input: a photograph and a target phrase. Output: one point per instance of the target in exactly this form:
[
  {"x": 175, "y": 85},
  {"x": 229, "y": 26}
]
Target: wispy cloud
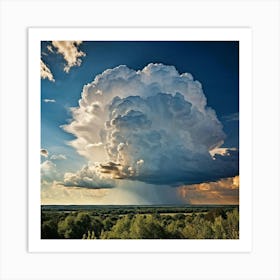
[
  {"x": 58, "y": 157},
  {"x": 231, "y": 118},
  {"x": 70, "y": 52},
  {"x": 49, "y": 100},
  {"x": 50, "y": 49},
  {"x": 46, "y": 72}
]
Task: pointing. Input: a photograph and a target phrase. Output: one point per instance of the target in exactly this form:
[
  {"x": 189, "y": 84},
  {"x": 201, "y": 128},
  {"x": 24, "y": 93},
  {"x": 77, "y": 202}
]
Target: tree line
[{"x": 216, "y": 223}]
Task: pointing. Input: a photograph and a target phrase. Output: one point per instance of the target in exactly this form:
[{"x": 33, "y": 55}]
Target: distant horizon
[{"x": 140, "y": 205}]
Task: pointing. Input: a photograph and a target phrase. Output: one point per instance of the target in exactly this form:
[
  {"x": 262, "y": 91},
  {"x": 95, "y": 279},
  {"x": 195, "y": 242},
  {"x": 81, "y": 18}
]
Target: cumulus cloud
[
  {"x": 88, "y": 177},
  {"x": 49, "y": 100},
  {"x": 58, "y": 157},
  {"x": 224, "y": 191},
  {"x": 44, "y": 153},
  {"x": 70, "y": 52},
  {"x": 152, "y": 125},
  {"x": 48, "y": 171},
  {"x": 46, "y": 72}
]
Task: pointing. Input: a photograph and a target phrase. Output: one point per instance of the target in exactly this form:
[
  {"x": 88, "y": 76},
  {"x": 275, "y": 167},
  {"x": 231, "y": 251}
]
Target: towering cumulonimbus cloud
[{"x": 151, "y": 125}]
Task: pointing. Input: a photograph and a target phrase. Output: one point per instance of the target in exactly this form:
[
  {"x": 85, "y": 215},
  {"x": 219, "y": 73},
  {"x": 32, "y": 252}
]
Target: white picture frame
[{"x": 243, "y": 36}]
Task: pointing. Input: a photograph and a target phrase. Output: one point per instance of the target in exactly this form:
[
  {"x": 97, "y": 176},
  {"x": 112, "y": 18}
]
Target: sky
[{"x": 139, "y": 122}]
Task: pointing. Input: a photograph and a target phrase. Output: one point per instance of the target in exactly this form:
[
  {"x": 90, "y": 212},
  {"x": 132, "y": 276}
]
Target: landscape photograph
[{"x": 139, "y": 140}]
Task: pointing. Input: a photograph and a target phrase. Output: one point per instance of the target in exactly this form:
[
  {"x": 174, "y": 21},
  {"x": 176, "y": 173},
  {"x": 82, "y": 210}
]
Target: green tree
[
  {"x": 189, "y": 231},
  {"x": 215, "y": 212},
  {"x": 232, "y": 224},
  {"x": 121, "y": 230},
  {"x": 66, "y": 226},
  {"x": 97, "y": 226},
  {"x": 108, "y": 223},
  {"x": 49, "y": 230},
  {"x": 174, "y": 230},
  {"x": 218, "y": 228},
  {"x": 146, "y": 228},
  {"x": 74, "y": 226}
]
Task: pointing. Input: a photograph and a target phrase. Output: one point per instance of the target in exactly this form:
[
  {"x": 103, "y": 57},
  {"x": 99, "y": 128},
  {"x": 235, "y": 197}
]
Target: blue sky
[{"x": 214, "y": 64}]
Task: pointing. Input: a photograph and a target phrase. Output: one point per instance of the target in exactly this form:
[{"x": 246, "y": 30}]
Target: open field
[{"x": 139, "y": 222}]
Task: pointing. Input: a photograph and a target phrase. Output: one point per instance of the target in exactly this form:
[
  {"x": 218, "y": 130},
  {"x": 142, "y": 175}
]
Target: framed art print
[{"x": 140, "y": 139}]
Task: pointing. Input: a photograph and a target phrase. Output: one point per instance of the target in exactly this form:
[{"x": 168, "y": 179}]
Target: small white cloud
[
  {"x": 44, "y": 153},
  {"x": 221, "y": 151},
  {"x": 70, "y": 52},
  {"x": 46, "y": 72},
  {"x": 49, "y": 47},
  {"x": 140, "y": 162},
  {"x": 49, "y": 100},
  {"x": 58, "y": 157}
]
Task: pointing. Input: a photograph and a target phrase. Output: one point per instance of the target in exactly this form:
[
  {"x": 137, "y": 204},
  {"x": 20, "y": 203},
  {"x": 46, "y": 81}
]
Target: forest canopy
[{"x": 137, "y": 223}]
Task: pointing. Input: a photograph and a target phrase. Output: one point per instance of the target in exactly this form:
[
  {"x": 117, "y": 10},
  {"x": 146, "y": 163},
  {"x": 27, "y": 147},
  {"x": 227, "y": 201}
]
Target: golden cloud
[
  {"x": 46, "y": 72},
  {"x": 224, "y": 191},
  {"x": 69, "y": 51}
]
